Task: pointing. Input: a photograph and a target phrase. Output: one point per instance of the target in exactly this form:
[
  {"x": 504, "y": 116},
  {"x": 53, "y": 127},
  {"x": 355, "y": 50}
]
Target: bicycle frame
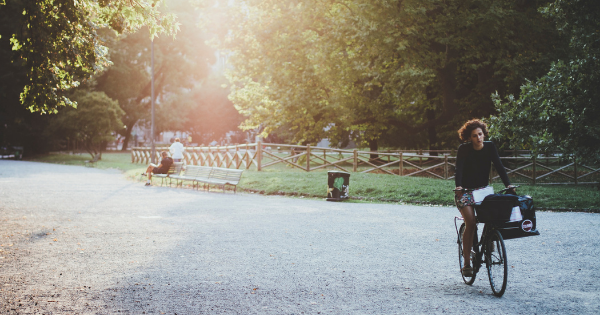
[
  {"x": 489, "y": 248},
  {"x": 479, "y": 243}
]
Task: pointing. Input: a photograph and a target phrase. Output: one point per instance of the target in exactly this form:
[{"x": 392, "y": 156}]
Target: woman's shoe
[{"x": 467, "y": 272}]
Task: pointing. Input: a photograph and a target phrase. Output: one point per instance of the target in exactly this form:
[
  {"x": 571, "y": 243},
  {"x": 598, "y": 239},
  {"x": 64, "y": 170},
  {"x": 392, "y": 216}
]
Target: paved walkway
[{"x": 77, "y": 240}]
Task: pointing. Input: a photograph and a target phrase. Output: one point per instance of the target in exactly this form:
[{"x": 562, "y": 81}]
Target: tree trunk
[
  {"x": 431, "y": 132},
  {"x": 102, "y": 148},
  {"x": 127, "y": 136},
  {"x": 89, "y": 148},
  {"x": 447, "y": 79},
  {"x": 373, "y": 147}
]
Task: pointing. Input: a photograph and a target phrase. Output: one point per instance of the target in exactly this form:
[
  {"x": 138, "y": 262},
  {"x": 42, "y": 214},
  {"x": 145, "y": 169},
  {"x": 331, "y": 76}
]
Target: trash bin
[
  {"x": 337, "y": 185},
  {"x": 18, "y": 153}
]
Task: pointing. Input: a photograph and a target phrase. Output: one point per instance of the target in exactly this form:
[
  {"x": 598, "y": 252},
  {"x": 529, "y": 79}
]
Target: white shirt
[{"x": 176, "y": 150}]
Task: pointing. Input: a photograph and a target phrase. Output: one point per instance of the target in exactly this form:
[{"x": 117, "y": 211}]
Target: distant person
[
  {"x": 176, "y": 150},
  {"x": 162, "y": 168}
]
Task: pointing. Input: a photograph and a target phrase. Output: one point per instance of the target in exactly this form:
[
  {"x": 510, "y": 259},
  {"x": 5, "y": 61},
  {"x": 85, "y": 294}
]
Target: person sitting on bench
[{"x": 162, "y": 168}]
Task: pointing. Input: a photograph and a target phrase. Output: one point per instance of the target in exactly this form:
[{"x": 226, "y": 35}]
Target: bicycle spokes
[{"x": 495, "y": 260}]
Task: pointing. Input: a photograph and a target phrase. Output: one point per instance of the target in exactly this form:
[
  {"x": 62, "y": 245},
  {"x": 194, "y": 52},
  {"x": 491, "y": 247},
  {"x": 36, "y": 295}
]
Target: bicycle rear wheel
[
  {"x": 461, "y": 260},
  {"x": 495, "y": 261}
]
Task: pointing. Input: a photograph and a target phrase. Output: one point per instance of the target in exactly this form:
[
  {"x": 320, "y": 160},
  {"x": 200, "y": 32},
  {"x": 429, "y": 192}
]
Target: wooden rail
[{"x": 521, "y": 166}]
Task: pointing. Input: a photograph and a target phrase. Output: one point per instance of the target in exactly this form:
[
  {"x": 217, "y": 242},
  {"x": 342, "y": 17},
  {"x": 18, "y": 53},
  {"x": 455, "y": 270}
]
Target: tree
[
  {"x": 49, "y": 46},
  {"x": 18, "y": 126},
  {"x": 58, "y": 45},
  {"x": 180, "y": 63},
  {"x": 371, "y": 70},
  {"x": 560, "y": 110},
  {"x": 95, "y": 121}
]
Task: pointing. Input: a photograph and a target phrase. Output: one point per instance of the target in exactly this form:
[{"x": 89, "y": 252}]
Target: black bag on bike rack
[
  {"x": 496, "y": 208},
  {"x": 525, "y": 227}
]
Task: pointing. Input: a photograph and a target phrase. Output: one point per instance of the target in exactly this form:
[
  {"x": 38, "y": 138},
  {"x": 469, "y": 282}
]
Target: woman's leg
[{"x": 469, "y": 216}]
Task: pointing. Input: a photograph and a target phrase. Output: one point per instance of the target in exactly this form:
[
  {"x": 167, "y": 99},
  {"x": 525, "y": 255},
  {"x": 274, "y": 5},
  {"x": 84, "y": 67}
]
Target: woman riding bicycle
[{"x": 473, "y": 164}]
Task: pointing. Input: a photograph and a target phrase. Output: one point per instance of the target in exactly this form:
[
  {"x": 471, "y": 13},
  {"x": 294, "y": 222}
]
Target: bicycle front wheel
[
  {"x": 495, "y": 261},
  {"x": 461, "y": 260}
]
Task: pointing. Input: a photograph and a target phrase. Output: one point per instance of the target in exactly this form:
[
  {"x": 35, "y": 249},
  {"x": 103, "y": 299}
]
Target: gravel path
[{"x": 77, "y": 240}]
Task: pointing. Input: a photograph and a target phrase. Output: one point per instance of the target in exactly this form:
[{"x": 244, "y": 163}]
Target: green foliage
[
  {"x": 371, "y": 70},
  {"x": 179, "y": 65},
  {"x": 560, "y": 110},
  {"x": 58, "y": 45},
  {"x": 93, "y": 123}
]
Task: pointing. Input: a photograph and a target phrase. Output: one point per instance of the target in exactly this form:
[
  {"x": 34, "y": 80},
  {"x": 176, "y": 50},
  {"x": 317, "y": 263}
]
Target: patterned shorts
[{"x": 465, "y": 200}]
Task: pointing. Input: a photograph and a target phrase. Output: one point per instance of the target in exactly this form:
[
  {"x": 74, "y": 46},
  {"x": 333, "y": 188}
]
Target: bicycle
[{"x": 490, "y": 248}]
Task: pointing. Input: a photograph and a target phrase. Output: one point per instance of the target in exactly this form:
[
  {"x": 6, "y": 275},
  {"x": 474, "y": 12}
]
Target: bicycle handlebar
[
  {"x": 501, "y": 191},
  {"x": 508, "y": 188}
]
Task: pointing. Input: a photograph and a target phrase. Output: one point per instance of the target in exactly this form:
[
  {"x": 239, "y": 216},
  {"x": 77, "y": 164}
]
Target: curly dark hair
[{"x": 464, "y": 133}]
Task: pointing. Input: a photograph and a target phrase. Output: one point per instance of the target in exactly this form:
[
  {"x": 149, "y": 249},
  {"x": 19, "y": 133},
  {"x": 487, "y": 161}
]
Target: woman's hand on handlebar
[{"x": 510, "y": 189}]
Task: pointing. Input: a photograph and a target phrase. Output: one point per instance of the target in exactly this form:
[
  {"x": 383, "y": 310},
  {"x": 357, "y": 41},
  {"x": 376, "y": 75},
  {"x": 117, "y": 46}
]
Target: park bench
[
  {"x": 209, "y": 176},
  {"x": 222, "y": 177},
  {"x": 190, "y": 173},
  {"x": 174, "y": 170}
]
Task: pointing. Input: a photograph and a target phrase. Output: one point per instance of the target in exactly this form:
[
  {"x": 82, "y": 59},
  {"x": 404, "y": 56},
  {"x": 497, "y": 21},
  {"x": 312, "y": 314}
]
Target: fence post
[
  {"x": 355, "y": 163},
  {"x": 248, "y": 162},
  {"x": 401, "y": 165},
  {"x": 445, "y": 166},
  {"x": 200, "y": 155},
  {"x": 533, "y": 175},
  {"x": 237, "y": 157},
  {"x": 308, "y": 157},
  {"x": 420, "y": 157},
  {"x": 218, "y": 157},
  {"x": 575, "y": 167},
  {"x": 132, "y": 156},
  {"x": 210, "y": 160},
  {"x": 259, "y": 155}
]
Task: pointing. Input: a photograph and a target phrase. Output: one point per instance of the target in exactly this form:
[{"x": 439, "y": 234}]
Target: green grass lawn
[
  {"x": 363, "y": 187},
  {"x": 409, "y": 190}
]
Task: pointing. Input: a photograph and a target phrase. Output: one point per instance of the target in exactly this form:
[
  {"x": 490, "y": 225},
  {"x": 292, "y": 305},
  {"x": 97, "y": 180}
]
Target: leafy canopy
[
  {"x": 371, "y": 70},
  {"x": 560, "y": 110},
  {"x": 60, "y": 44}
]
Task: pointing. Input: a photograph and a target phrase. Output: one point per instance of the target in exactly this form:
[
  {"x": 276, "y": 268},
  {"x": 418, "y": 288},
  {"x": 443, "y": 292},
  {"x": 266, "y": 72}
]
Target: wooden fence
[{"x": 521, "y": 166}]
